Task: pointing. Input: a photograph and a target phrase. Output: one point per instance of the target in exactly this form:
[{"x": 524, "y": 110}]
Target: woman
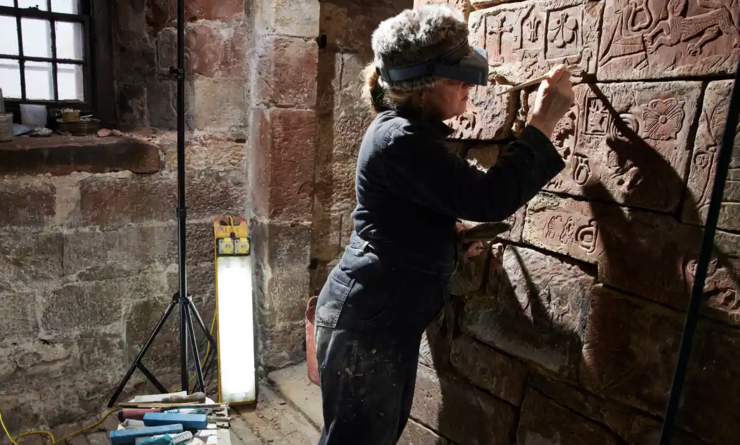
[{"x": 391, "y": 282}]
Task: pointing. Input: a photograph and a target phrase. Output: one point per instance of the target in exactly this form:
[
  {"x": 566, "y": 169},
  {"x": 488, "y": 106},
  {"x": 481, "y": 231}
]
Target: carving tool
[
  {"x": 129, "y": 436},
  {"x": 535, "y": 81},
  {"x": 188, "y": 421}
]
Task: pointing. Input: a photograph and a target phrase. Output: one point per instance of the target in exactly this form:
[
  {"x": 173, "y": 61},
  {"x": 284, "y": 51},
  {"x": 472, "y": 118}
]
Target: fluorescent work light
[{"x": 236, "y": 360}]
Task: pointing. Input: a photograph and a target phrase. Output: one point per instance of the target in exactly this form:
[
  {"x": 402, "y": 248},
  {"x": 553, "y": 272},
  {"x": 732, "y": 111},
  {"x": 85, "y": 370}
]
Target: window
[{"x": 51, "y": 53}]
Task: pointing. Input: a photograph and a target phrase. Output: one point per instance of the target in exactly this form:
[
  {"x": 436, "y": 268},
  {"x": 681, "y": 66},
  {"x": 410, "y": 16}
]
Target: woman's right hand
[{"x": 554, "y": 99}]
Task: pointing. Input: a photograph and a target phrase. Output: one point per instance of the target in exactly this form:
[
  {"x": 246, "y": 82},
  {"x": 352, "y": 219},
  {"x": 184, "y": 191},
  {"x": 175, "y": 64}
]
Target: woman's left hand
[{"x": 473, "y": 249}]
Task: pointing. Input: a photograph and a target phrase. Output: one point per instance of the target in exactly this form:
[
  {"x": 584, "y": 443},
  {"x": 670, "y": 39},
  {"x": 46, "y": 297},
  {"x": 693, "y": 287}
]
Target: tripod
[{"x": 181, "y": 299}]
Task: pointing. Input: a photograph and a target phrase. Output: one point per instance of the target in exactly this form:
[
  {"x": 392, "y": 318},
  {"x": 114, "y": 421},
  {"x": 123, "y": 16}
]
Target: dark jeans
[{"x": 370, "y": 318}]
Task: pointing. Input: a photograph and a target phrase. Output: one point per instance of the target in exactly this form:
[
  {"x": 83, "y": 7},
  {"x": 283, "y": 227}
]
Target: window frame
[{"x": 95, "y": 17}]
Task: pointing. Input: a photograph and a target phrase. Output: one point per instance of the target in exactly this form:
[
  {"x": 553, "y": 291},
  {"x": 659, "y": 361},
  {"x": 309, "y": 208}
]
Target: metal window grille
[{"x": 28, "y": 63}]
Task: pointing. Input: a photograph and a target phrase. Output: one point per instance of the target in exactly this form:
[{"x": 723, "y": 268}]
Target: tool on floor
[
  {"x": 128, "y": 436},
  {"x": 235, "y": 334},
  {"x": 137, "y": 414},
  {"x": 188, "y": 421},
  {"x": 535, "y": 81},
  {"x": 175, "y": 439}
]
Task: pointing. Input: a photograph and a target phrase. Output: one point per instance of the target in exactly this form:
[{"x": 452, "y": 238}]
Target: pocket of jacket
[{"x": 331, "y": 299}]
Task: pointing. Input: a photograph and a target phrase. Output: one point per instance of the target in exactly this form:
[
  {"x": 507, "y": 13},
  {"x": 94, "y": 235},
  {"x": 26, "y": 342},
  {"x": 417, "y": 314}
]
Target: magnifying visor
[{"x": 464, "y": 63}]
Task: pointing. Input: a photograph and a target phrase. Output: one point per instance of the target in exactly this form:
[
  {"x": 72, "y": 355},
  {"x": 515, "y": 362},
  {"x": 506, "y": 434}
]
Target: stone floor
[{"x": 285, "y": 414}]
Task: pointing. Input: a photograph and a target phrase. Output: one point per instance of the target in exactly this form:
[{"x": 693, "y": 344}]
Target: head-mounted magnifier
[{"x": 461, "y": 64}]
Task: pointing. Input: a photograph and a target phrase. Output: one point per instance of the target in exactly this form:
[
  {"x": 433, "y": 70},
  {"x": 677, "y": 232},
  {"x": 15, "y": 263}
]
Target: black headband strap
[{"x": 427, "y": 68}]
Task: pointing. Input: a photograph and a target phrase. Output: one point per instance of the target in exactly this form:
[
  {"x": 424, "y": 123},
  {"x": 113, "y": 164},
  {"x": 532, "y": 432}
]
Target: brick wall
[
  {"x": 88, "y": 240},
  {"x": 572, "y": 333}
]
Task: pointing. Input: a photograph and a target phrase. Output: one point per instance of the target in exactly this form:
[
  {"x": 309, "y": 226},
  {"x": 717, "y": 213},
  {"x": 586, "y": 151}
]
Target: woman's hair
[{"x": 383, "y": 98}]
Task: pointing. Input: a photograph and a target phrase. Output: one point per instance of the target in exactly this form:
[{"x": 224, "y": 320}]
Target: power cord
[{"x": 54, "y": 441}]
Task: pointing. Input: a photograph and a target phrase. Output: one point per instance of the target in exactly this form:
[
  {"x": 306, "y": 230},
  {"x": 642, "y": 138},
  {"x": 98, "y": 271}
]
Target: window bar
[
  {"x": 21, "y": 60},
  {"x": 87, "y": 86},
  {"x": 52, "y": 24}
]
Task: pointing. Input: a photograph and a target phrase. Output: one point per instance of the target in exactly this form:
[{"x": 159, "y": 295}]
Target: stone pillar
[{"x": 282, "y": 119}]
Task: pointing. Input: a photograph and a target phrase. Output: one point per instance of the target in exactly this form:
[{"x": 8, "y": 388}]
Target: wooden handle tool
[{"x": 535, "y": 81}]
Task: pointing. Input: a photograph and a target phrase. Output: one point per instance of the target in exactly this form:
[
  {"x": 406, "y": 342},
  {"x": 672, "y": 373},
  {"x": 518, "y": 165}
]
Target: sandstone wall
[
  {"x": 347, "y": 26},
  {"x": 572, "y": 333},
  {"x": 88, "y": 240}
]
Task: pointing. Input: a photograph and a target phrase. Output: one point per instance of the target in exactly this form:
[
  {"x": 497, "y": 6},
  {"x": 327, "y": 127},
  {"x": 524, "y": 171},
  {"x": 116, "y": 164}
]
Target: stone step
[{"x": 293, "y": 384}]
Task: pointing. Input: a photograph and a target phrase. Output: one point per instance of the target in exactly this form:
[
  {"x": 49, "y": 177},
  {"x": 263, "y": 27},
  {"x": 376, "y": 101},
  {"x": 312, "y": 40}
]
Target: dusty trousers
[{"x": 370, "y": 317}]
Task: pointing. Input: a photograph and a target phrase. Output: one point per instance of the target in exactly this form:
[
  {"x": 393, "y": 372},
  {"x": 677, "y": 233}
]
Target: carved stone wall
[{"x": 572, "y": 332}]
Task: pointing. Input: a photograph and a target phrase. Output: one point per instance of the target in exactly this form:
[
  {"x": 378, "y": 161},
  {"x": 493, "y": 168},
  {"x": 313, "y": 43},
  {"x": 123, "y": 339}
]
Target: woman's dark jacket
[{"x": 411, "y": 190}]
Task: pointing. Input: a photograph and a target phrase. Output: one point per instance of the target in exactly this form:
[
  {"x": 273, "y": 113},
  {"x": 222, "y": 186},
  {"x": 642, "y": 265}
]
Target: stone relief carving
[
  {"x": 627, "y": 143},
  {"x": 704, "y": 158},
  {"x": 527, "y": 39},
  {"x": 663, "y": 118},
  {"x": 653, "y": 39}
]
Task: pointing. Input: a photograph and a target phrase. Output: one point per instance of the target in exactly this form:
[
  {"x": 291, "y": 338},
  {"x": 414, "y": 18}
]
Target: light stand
[{"x": 181, "y": 298}]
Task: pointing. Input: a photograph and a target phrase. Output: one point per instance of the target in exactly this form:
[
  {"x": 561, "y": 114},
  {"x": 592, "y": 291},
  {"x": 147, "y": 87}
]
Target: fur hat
[{"x": 415, "y": 36}]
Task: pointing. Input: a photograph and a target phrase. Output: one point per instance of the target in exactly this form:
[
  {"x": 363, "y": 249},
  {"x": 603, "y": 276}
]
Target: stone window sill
[{"x": 62, "y": 155}]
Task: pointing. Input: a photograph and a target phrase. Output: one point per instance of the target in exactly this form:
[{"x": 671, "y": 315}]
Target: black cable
[{"x": 707, "y": 244}]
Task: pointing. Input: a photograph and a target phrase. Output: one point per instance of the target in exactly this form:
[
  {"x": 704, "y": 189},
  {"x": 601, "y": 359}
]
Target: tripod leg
[
  {"x": 184, "y": 346},
  {"x": 202, "y": 325},
  {"x": 141, "y": 353},
  {"x": 196, "y": 354}
]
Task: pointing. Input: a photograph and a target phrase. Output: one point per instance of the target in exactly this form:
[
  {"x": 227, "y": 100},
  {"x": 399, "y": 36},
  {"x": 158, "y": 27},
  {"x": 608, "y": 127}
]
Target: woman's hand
[
  {"x": 472, "y": 249},
  {"x": 554, "y": 99}
]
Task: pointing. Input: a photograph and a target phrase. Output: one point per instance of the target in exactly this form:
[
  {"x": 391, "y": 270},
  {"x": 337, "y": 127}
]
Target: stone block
[
  {"x": 212, "y": 151},
  {"x": 214, "y": 9},
  {"x": 106, "y": 350},
  {"x": 461, "y": 412},
  {"x": 526, "y": 39},
  {"x": 286, "y": 72},
  {"x": 140, "y": 320},
  {"x": 18, "y": 312},
  {"x": 650, "y": 40},
  {"x": 211, "y": 50},
  {"x": 488, "y": 115},
  {"x": 416, "y": 434},
  {"x": 627, "y": 143},
  {"x": 330, "y": 233},
  {"x": 30, "y": 259},
  {"x": 162, "y": 103},
  {"x": 704, "y": 162},
  {"x": 544, "y": 421},
  {"x": 132, "y": 105},
  {"x": 219, "y": 105},
  {"x": 289, "y": 18},
  {"x": 94, "y": 304},
  {"x": 283, "y": 160},
  {"x": 630, "y": 424},
  {"x": 712, "y": 384},
  {"x": 644, "y": 253},
  {"x": 629, "y": 349},
  {"x": 464, "y": 6},
  {"x": 118, "y": 253},
  {"x": 488, "y": 369},
  {"x": 116, "y": 202},
  {"x": 538, "y": 314},
  {"x": 282, "y": 345},
  {"x": 348, "y": 26},
  {"x": 27, "y": 203},
  {"x": 164, "y": 12},
  {"x": 211, "y": 193},
  {"x": 281, "y": 255},
  {"x": 205, "y": 45}
]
